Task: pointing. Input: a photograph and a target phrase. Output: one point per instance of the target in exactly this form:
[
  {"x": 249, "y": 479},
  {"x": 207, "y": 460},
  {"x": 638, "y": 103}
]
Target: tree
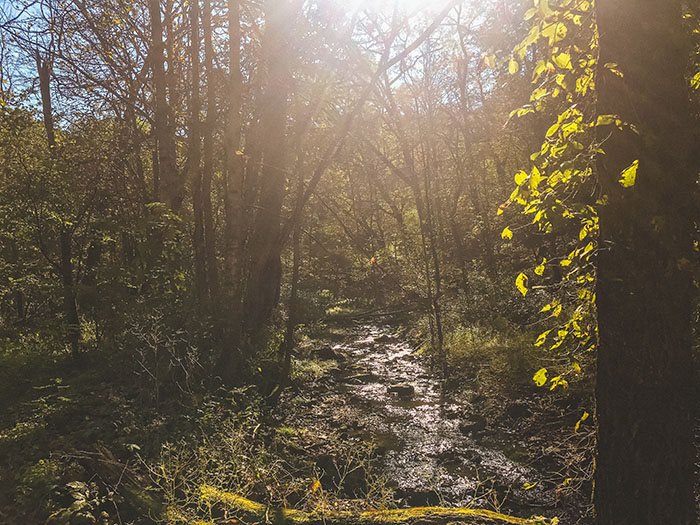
[{"x": 644, "y": 392}]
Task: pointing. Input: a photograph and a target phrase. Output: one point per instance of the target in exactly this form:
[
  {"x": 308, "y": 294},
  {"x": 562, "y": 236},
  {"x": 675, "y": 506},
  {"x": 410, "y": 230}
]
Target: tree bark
[
  {"x": 208, "y": 167},
  {"x": 167, "y": 186},
  {"x": 645, "y": 391},
  {"x": 195, "y": 157},
  {"x": 234, "y": 242},
  {"x": 263, "y": 289}
]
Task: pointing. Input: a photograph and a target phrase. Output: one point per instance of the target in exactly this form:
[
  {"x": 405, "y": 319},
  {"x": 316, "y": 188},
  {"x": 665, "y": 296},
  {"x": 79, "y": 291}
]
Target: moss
[{"x": 212, "y": 495}]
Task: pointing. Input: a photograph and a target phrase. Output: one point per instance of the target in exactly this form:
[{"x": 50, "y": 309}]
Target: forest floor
[{"x": 365, "y": 424}]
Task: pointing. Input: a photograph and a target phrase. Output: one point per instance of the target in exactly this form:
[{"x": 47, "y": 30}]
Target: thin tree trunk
[
  {"x": 43, "y": 68},
  {"x": 195, "y": 157},
  {"x": 645, "y": 391},
  {"x": 233, "y": 197},
  {"x": 65, "y": 265},
  {"x": 167, "y": 186},
  {"x": 208, "y": 167},
  {"x": 70, "y": 303}
]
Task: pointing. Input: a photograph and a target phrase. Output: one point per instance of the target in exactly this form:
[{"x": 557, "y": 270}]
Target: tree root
[{"x": 247, "y": 511}]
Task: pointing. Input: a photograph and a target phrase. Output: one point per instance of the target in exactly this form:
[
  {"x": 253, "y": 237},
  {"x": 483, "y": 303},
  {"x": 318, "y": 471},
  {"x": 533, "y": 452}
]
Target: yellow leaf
[
  {"x": 520, "y": 177},
  {"x": 239, "y": 153},
  {"x": 540, "y": 377},
  {"x": 542, "y": 337},
  {"x": 583, "y": 418},
  {"x": 513, "y": 66},
  {"x": 315, "y": 486},
  {"x": 540, "y": 269},
  {"x": 507, "y": 233},
  {"x": 563, "y": 60},
  {"x": 629, "y": 175},
  {"x": 521, "y": 283}
]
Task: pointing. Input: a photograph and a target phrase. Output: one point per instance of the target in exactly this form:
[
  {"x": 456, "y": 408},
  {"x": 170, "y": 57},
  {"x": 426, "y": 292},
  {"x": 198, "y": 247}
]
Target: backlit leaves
[
  {"x": 540, "y": 377},
  {"x": 521, "y": 283},
  {"x": 628, "y": 177}
]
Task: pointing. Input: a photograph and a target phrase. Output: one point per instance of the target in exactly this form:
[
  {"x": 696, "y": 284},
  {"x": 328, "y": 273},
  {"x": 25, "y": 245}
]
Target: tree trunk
[
  {"x": 645, "y": 390},
  {"x": 65, "y": 265},
  {"x": 43, "y": 68},
  {"x": 195, "y": 157},
  {"x": 70, "y": 303},
  {"x": 167, "y": 185},
  {"x": 208, "y": 167},
  {"x": 263, "y": 289},
  {"x": 234, "y": 242}
]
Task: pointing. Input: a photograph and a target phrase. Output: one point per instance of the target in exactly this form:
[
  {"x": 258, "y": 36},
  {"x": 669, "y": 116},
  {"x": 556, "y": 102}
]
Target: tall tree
[
  {"x": 645, "y": 390},
  {"x": 167, "y": 183}
]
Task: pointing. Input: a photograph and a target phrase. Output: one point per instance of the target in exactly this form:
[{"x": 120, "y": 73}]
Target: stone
[
  {"x": 474, "y": 423},
  {"x": 402, "y": 390}
]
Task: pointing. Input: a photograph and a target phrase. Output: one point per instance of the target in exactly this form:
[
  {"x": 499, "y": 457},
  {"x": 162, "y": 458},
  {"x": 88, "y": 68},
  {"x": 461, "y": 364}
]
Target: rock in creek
[
  {"x": 403, "y": 390},
  {"x": 474, "y": 423}
]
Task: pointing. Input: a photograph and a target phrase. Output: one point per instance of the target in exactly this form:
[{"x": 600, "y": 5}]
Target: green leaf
[
  {"x": 540, "y": 377},
  {"x": 521, "y": 283},
  {"x": 629, "y": 175}
]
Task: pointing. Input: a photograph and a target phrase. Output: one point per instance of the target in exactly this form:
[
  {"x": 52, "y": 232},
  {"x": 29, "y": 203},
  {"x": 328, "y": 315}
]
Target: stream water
[{"x": 423, "y": 449}]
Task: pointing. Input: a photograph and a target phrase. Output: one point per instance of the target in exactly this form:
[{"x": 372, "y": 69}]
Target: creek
[{"x": 435, "y": 450}]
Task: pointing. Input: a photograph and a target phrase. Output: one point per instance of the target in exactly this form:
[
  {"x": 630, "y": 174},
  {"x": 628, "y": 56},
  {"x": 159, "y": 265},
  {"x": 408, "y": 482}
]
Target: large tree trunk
[
  {"x": 263, "y": 290},
  {"x": 645, "y": 390},
  {"x": 168, "y": 185}
]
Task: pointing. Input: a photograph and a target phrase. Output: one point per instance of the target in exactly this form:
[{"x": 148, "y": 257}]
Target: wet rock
[
  {"x": 362, "y": 378},
  {"x": 518, "y": 411},
  {"x": 329, "y": 354},
  {"x": 402, "y": 390},
  {"x": 474, "y": 423}
]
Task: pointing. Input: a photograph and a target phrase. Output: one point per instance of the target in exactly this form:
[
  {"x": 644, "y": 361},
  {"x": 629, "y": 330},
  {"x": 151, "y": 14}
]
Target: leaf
[
  {"x": 540, "y": 269},
  {"x": 563, "y": 60},
  {"x": 583, "y": 418},
  {"x": 507, "y": 233},
  {"x": 315, "y": 486},
  {"x": 629, "y": 175},
  {"x": 540, "y": 377},
  {"x": 521, "y": 283},
  {"x": 520, "y": 177},
  {"x": 542, "y": 337},
  {"x": 513, "y": 66},
  {"x": 528, "y": 486},
  {"x": 239, "y": 153}
]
